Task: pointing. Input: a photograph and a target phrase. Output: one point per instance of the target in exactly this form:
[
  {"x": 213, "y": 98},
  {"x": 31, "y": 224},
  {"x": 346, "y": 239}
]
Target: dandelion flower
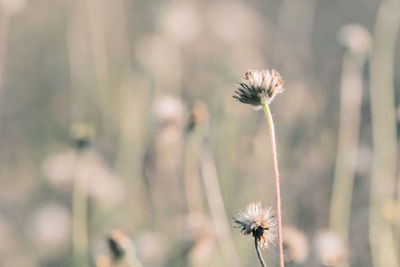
[
  {"x": 259, "y": 222},
  {"x": 258, "y": 87}
]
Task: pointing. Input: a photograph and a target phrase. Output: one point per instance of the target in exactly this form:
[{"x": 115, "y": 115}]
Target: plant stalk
[
  {"x": 217, "y": 206},
  {"x": 259, "y": 253},
  {"x": 346, "y": 159},
  {"x": 79, "y": 219},
  {"x": 277, "y": 186},
  {"x": 384, "y": 135},
  {"x": 4, "y": 27}
]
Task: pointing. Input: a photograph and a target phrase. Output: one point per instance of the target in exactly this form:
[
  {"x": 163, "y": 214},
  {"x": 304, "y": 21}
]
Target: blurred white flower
[
  {"x": 59, "y": 168},
  {"x": 330, "y": 248},
  {"x": 151, "y": 248},
  {"x": 12, "y": 7},
  {"x": 295, "y": 244},
  {"x": 50, "y": 230},
  {"x": 103, "y": 186},
  {"x": 168, "y": 109},
  {"x": 356, "y": 38}
]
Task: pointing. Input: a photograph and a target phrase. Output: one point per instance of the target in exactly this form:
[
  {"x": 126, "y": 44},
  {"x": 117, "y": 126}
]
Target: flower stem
[
  {"x": 79, "y": 218},
  {"x": 217, "y": 206},
  {"x": 4, "y": 27},
  {"x": 259, "y": 252},
  {"x": 347, "y": 148},
  {"x": 277, "y": 187},
  {"x": 384, "y": 133}
]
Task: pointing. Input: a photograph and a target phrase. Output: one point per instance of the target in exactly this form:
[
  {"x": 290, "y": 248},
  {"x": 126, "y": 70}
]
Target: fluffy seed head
[
  {"x": 259, "y": 222},
  {"x": 258, "y": 87}
]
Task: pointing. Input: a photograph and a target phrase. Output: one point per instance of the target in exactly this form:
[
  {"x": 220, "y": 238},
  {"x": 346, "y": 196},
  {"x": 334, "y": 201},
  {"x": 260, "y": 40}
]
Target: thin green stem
[
  {"x": 384, "y": 135},
  {"x": 259, "y": 253},
  {"x": 346, "y": 158},
  {"x": 190, "y": 174},
  {"x": 79, "y": 223},
  {"x": 277, "y": 186},
  {"x": 4, "y": 26},
  {"x": 217, "y": 206},
  {"x": 132, "y": 260}
]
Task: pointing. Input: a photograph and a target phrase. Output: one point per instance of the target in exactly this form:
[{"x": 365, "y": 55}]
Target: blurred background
[{"x": 121, "y": 144}]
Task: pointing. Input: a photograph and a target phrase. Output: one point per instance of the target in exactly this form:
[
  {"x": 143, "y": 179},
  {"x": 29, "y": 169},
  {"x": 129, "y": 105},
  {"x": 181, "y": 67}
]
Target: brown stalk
[{"x": 277, "y": 184}]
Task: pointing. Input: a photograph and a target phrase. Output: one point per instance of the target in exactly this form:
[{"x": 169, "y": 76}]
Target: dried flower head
[
  {"x": 259, "y": 222},
  {"x": 82, "y": 134},
  {"x": 258, "y": 87},
  {"x": 198, "y": 116},
  {"x": 119, "y": 244}
]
